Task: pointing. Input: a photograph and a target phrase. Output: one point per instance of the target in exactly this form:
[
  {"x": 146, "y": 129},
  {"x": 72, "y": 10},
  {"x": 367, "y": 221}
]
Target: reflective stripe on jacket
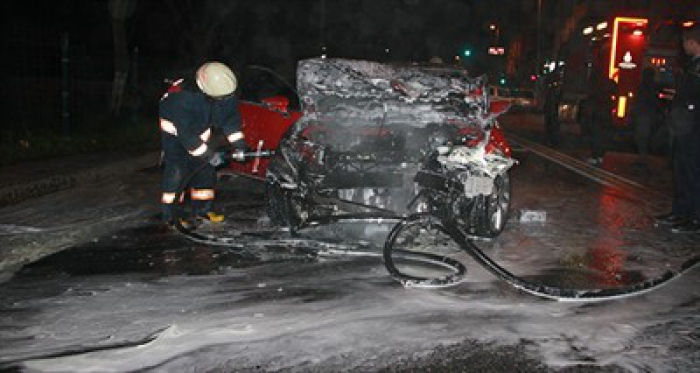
[{"x": 202, "y": 194}]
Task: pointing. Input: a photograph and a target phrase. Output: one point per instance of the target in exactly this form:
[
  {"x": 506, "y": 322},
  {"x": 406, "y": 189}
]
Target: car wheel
[
  {"x": 285, "y": 208},
  {"x": 497, "y": 208}
]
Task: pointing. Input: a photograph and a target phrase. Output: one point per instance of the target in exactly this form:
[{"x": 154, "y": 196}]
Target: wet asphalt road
[
  {"x": 154, "y": 249},
  {"x": 127, "y": 284}
]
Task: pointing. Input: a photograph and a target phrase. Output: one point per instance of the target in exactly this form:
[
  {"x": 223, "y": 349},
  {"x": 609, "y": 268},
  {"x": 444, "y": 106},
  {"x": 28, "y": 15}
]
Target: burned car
[{"x": 386, "y": 140}]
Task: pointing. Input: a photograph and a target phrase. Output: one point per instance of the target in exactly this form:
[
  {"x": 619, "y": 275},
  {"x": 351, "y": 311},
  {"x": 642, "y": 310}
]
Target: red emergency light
[
  {"x": 658, "y": 61},
  {"x": 497, "y": 51}
]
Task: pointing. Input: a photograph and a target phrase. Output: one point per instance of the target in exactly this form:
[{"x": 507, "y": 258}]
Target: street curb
[{"x": 14, "y": 194}]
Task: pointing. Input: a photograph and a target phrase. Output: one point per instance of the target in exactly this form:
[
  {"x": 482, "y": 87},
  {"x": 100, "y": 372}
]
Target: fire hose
[
  {"x": 208, "y": 238},
  {"x": 451, "y": 229},
  {"x": 466, "y": 243}
]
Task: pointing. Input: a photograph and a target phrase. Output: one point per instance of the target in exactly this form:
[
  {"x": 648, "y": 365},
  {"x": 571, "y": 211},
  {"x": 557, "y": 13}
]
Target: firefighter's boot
[{"x": 212, "y": 217}]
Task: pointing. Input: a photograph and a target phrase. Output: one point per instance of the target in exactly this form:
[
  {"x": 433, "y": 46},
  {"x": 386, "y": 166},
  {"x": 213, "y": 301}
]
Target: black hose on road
[
  {"x": 456, "y": 268},
  {"x": 391, "y": 253},
  {"x": 201, "y": 237},
  {"x": 537, "y": 289}
]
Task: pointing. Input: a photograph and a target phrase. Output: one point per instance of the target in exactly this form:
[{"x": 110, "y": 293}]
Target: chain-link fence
[
  {"x": 52, "y": 87},
  {"x": 57, "y": 85}
]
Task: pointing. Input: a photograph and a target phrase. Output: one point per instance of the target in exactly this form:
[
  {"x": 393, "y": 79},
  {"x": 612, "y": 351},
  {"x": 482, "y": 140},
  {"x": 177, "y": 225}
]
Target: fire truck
[
  {"x": 624, "y": 46},
  {"x": 636, "y": 44}
]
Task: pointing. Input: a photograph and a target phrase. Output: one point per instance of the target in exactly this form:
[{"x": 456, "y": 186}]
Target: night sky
[
  {"x": 172, "y": 35},
  {"x": 70, "y": 44},
  {"x": 275, "y": 32}
]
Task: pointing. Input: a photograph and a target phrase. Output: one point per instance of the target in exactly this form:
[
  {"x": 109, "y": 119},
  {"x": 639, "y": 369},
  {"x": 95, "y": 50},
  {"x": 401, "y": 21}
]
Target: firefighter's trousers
[{"x": 178, "y": 166}]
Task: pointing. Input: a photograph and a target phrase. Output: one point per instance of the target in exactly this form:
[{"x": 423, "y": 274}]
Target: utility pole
[
  {"x": 65, "y": 85},
  {"x": 120, "y": 10}
]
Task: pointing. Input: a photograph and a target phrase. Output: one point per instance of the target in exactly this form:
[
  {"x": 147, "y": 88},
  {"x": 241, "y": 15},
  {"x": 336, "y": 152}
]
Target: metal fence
[
  {"x": 56, "y": 80},
  {"x": 52, "y": 89}
]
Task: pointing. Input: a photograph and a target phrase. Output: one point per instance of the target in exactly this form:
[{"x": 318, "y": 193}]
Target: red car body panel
[
  {"x": 497, "y": 139},
  {"x": 266, "y": 123}
]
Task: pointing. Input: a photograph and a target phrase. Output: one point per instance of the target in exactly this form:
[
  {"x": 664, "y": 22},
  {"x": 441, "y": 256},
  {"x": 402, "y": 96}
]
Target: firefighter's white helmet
[{"x": 216, "y": 79}]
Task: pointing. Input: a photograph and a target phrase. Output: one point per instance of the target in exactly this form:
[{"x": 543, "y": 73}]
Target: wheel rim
[{"x": 500, "y": 203}]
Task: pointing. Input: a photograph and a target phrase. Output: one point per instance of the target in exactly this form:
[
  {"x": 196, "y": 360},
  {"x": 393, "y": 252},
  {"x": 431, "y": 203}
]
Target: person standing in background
[
  {"x": 645, "y": 114},
  {"x": 551, "y": 110},
  {"x": 597, "y": 115},
  {"x": 685, "y": 132}
]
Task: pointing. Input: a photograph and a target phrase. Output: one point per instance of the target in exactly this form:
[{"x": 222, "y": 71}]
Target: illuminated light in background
[
  {"x": 688, "y": 23},
  {"x": 658, "y": 61},
  {"x": 621, "y": 106},
  {"x": 588, "y": 30},
  {"x": 497, "y": 51},
  {"x": 601, "y": 26},
  {"x": 638, "y": 33}
]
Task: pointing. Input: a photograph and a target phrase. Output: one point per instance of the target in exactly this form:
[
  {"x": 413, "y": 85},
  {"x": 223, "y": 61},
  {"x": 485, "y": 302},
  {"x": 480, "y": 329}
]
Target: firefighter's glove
[{"x": 217, "y": 159}]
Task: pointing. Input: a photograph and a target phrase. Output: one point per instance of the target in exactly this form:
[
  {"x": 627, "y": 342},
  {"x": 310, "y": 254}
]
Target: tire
[
  {"x": 296, "y": 212},
  {"x": 496, "y": 211},
  {"x": 283, "y": 207}
]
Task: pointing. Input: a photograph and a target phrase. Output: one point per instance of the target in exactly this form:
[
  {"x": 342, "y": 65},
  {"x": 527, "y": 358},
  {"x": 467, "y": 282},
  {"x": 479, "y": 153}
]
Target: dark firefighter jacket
[{"x": 188, "y": 116}]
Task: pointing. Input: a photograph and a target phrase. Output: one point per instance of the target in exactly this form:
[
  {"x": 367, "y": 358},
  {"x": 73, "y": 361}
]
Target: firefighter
[
  {"x": 552, "y": 99},
  {"x": 645, "y": 114},
  {"x": 598, "y": 111},
  {"x": 685, "y": 128},
  {"x": 191, "y": 111}
]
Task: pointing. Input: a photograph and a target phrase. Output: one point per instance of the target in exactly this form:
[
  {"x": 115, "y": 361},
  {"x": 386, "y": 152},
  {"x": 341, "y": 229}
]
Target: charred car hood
[
  {"x": 379, "y": 136},
  {"x": 342, "y": 92}
]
